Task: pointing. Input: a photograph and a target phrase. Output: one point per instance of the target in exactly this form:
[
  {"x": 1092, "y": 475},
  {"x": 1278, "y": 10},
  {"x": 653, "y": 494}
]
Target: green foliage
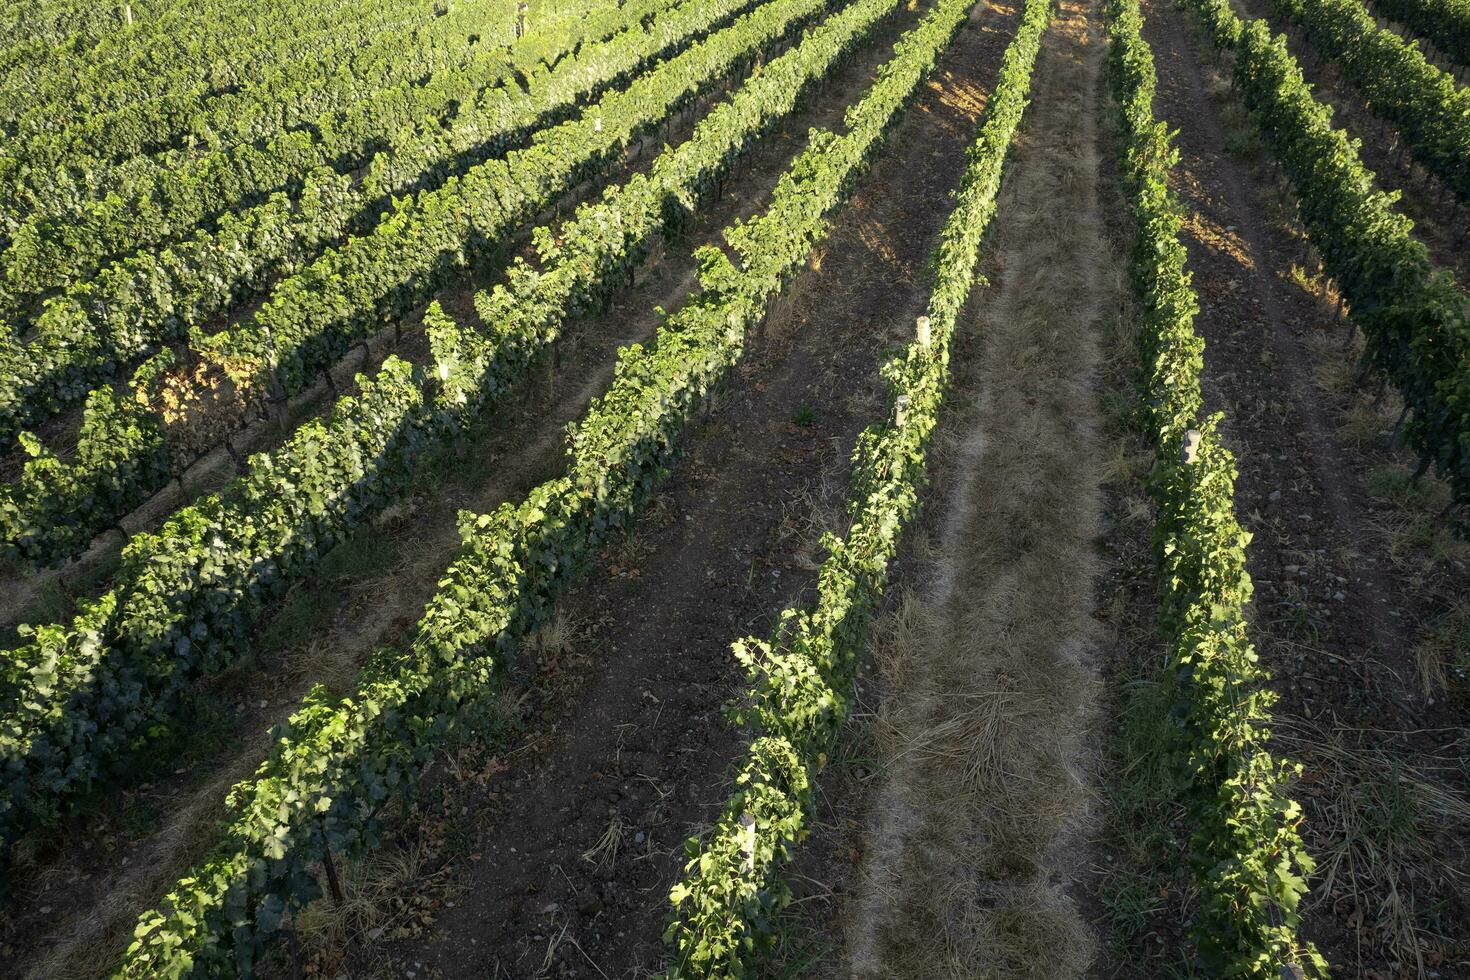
[
  {"x": 1413, "y": 315},
  {"x": 1444, "y": 22},
  {"x": 56, "y": 507},
  {"x": 110, "y": 123},
  {"x": 1427, "y": 106},
  {"x": 92, "y": 130},
  {"x": 326, "y": 304},
  {"x": 313, "y": 318},
  {"x": 187, "y": 597},
  {"x": 424, "y": 126},
  {"x": 725, "y": 908},
  {"x": 129, "y": 307},
  {"x": 335, "y": 763},
  {"x": 82, "y": 703},
  {"x": 1246, "y": 851}
]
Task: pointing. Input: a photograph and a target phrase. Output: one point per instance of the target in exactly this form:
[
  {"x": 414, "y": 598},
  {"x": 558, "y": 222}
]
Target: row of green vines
[
  {"x": 1425, "y": 104},
  {"x": 1415, "y": 319},
  {"x": 1246, "y": 851},
  {"x": 85, "y": 704},
  {"x": 1445, "y": 22},
  {"x": 73, "y": 143},
  {"x": 83, "y": 213},
  {"x": 725, "y": 908},
  {"x": 402, "y": 247},
  {"x": 335, "y": 762},
  {"x": 349, "y": 292}
]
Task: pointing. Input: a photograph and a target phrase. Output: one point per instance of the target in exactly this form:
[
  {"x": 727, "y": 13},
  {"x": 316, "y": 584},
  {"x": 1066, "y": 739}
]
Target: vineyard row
[
  {"x": 334, "y": 764},
  {"x": 334, "y": 72},
  {"x": 405, "y": 135},
  {"x": 801, "y": 680},
  {"x": 1429, "y": 109},
  {"x": 1246, "y": 853},
  {"x": 1411, "y": 312},
  {"x": 78, "y": 702},
  {"x": 346, "y": 295},
  {"x": 1446, "y": 23}
]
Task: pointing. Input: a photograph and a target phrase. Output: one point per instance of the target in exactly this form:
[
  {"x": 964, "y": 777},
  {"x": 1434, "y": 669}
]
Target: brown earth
[{"x": 1020, "y": 610}]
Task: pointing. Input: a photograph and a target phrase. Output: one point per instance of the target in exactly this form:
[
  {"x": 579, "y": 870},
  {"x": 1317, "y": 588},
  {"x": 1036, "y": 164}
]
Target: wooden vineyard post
[
  {"x": 128, "y": 14},
  {"x": 279, "y": 401},
  {"x": 921, "y": 331},
  {"x": 1190, "y": 452},
  {"x": 294, "y": 944},
  {"x": 330, "y": 866},
  {"x": 747, "y": 824},
  {"x": 1395, "y": 439},
  {"x": 521, "y": 8},
  {"x": 901, "y": 411}
]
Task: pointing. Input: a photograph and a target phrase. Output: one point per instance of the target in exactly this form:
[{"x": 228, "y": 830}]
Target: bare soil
[{"x": 967, "y": 825}]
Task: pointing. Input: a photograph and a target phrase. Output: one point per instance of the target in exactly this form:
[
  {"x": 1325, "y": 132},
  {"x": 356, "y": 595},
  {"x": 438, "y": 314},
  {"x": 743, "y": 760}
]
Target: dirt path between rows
[
  {"x": 575, "y": 841},
  {"x": 1346, "y": 578},
  {"x": 975, "y": 790}
]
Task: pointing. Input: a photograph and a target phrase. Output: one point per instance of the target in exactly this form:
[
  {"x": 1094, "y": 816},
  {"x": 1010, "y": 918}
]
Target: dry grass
[
  {"x": 390, "y": 894},
  {"x": 1424, "y": 547},
  {"x": 1442, "y": 656},
  {"x": 986, "y": 772},
  {"x": 604, "y": 854},
  {"x": 984, "y": 735},
  {"x": 554, "y": 638},
  {"x": 1382, "y": 825},
  {"x": 1332, "y": 370}
]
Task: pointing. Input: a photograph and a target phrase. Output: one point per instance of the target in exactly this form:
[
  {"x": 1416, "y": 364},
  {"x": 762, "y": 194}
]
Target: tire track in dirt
[
  {"x": 989, "y": 675},
  {"x": 1337, "y": 609}
]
